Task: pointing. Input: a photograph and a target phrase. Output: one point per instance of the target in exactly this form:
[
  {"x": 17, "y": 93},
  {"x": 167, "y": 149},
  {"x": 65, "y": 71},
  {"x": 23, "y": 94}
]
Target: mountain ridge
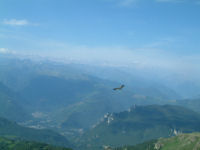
[{"x": 141, "y": 123}]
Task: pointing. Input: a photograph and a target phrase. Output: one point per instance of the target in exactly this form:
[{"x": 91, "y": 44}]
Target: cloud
[
  {"x": 146, "y": 56},
  {"x": 149, "y": 57},
  {"x": 15, "y": 22},
  {"x": 6, "y": 51}
]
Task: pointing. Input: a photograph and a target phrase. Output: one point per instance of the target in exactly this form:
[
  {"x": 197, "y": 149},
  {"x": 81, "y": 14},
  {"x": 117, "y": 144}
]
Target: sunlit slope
[
  {"x": 181, "y": 142},
  {"x": 141, "y": 123},
  {"x": 9, "y": 128},
  {"x": 17, "y": 144}
]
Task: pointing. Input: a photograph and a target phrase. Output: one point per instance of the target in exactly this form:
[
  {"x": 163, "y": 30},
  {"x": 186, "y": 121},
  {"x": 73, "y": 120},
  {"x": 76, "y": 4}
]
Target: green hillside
[
  {"x": 49, "y": 93},
  {"x": 141, "y": 123},
  {"x": 10, "y": 107},
  {"x": 92, "y": 107},
  {"x": 180, "y": 142},
  {"x": 11, "y": 129},
  {"x": 17, "y": 144},
  {"x": 193, "y": 104}
]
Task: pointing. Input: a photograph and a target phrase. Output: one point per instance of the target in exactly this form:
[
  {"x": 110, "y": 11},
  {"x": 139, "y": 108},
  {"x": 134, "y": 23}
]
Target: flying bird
[{"x": 119, "y": 88}]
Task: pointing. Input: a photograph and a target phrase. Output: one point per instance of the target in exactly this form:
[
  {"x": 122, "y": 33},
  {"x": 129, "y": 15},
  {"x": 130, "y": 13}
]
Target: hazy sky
[{"x": 164, "y": 33}]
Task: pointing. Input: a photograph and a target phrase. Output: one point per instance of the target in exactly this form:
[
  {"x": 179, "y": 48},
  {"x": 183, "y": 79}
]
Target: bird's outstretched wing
[
  {"x": 122, "y": 86},
  {"x": 119, "y": 88}
]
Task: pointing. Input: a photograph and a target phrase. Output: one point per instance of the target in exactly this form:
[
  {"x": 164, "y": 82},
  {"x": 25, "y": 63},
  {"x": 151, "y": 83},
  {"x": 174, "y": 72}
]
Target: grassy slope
[
  {"x": 17, "y": 144},
  {"x": 181, "y": 142},
  {"x": 8, "y": 128},
  {"x": 189, "y": 141}
]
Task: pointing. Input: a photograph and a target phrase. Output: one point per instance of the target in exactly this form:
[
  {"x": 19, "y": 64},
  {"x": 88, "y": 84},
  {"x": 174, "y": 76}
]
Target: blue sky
[{"x": 161, "y": 33}]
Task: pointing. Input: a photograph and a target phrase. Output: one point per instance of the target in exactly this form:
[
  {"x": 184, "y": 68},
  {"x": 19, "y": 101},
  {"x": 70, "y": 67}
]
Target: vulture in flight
[{"x": 119, "y": 88}]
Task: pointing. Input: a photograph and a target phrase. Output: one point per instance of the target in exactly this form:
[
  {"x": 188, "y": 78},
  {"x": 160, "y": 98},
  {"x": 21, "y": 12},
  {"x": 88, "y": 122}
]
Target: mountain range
[
  {"x": 57, "y": 95},
  {"x": 69, "y": 105}
]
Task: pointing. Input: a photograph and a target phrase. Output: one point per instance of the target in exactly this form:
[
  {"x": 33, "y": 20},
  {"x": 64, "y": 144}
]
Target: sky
[{"x": 144, "y": 33}]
